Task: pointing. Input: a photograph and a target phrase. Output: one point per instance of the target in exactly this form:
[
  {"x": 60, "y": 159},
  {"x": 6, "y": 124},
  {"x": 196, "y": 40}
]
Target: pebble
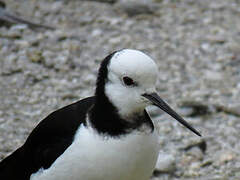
[
  {"x": 135, "y": 7},
  {"x": 35, "y": 56},
  {"x": 226, "y": 156},
  {"x": 105, "y": 1},
  {"x": 213, "y": 75},
  {"x": 166, "y": 163},
  {"x": 196, "y": 154}
]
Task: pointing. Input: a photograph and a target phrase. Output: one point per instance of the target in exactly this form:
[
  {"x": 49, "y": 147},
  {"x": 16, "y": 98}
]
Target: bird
[{"x": 108, "y": 136}]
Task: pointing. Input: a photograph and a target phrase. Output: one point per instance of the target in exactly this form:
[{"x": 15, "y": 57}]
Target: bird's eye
[{"x": 128, "y": 81}]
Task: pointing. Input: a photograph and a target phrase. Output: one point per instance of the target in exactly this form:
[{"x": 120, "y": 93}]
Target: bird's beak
[{"x": 157, "y": 101}]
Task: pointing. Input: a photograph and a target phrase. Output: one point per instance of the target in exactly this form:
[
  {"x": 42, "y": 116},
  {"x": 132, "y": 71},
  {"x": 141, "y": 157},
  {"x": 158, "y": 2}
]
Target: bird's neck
[{"x": 104, "y": 117}]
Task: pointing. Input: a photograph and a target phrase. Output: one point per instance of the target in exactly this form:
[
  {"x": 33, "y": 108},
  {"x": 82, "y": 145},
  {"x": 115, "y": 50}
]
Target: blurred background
[{"x": 50, "y": 51}]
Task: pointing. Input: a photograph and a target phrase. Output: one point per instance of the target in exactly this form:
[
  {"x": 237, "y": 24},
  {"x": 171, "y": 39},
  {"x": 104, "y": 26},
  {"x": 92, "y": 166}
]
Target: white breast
[{"x": 94, "y": 157}]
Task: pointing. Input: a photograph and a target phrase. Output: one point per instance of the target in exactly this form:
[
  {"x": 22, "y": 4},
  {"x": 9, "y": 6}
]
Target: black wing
[{"x": 52, "y": 136}]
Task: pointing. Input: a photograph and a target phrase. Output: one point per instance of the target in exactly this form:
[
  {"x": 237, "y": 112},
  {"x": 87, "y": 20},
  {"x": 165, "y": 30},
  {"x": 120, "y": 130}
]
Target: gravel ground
[{"x": 196, "y": 45}]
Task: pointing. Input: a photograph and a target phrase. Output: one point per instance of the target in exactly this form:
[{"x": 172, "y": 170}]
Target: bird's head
[{"x": 128, "y": 79}]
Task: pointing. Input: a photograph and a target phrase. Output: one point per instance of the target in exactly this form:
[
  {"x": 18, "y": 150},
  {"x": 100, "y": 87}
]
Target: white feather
[{"x": 94, "y": 157}]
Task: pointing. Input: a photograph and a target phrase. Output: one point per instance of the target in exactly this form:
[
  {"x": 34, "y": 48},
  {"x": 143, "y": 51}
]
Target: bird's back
[{"x": 12, "y": 167}]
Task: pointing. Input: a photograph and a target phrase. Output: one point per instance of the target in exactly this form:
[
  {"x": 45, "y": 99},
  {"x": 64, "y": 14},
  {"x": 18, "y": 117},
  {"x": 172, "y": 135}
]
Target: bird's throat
[{"x": 105, "y": 118}]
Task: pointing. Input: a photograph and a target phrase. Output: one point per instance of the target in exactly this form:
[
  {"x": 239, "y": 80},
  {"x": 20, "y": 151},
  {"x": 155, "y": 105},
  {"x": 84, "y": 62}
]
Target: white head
[
  {"x": 131, "y": 73},
  {"x": 129, "y": 84}
]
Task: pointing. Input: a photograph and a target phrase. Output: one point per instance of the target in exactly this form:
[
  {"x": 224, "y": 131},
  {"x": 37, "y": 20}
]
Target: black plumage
[{"x": 46, "y": 143}]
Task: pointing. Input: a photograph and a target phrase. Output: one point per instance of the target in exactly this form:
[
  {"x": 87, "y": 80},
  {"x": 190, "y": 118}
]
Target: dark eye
[{"x": 128, "y": 81}]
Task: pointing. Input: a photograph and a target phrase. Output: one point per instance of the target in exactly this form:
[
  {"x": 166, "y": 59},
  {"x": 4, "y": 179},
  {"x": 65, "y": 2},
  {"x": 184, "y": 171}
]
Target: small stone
[
  {"x": 20, "y": 27},
  {"x": 166, "y": 163},
  {"x": 191, "y": 174},
  {"x": 96, "y": 32},
  {"x": 205, "y": 46},
  {"x": 226, "y": 156},
  {"x": 133, "y": 7},
  {"x": 196, "y": 154},
  {"x": 186, "y": 111},
  {"x": 2, "y": 120},
  {"x": 35, "y": 56},
  {"x": 89, "y": 79},
  {"x": 22, "y": 43},
  {"x": 105, "y": 1},
  {"x": 115, "y": 40},
  {"x": 195, "y": 166},
  {"x": 213, "y": 75},
  {"x": 48, "y": 57}
]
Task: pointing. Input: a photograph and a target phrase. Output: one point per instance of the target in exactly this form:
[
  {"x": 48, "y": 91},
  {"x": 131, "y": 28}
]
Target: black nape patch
[
  {"x": 104, "y": 115},
  {"x": 102, "y": 75}
]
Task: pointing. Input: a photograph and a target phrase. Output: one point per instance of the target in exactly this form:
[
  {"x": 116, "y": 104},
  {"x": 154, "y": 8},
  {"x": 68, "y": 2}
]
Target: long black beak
[{"x": 157, "y": 101}]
